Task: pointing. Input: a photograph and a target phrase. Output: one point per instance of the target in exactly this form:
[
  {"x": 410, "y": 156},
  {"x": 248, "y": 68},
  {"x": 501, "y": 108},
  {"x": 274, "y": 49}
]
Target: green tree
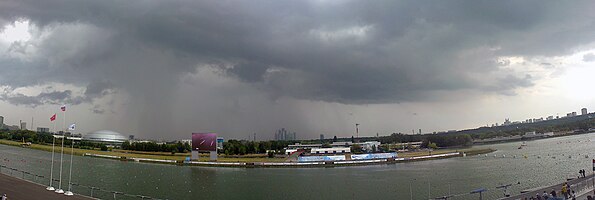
[
  {"x": 432, "y": 145},
  {"x": 356, "y": 148}
]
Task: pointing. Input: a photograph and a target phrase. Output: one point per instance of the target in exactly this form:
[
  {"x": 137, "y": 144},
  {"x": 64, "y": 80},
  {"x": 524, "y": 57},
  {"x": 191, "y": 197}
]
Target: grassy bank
[
  {"x": 151, "y": 155},
  {"x": 204, "y": 157}
]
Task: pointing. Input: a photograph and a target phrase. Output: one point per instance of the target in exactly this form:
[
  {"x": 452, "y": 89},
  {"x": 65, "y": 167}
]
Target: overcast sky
[{"x": 165, "y": 69}]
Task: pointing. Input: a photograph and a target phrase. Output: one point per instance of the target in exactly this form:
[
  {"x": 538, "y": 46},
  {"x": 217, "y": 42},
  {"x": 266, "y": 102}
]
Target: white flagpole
[
  {"x": 59, "y": 190},
  {"x": 64, "y": 121},
  {"x": 69, "y": 192},
  {"x": 52, "y": 168}
]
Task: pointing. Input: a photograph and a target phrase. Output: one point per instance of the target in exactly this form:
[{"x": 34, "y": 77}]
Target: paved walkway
[
  {"x": 556, "y": 187},
  {"x": 584, "y": 196},
  {"x": 16, "y": 188}
]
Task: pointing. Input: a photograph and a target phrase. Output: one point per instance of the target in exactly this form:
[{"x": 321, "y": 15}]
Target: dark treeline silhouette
[
  {"x": 241, "y": 147},
  {"x": 178, "y": 147}
]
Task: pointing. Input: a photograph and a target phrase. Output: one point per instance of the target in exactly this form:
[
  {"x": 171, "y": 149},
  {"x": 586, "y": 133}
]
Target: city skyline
[
  {"x": 283, "y": 134},
  {"x": 162, "y": 70}
]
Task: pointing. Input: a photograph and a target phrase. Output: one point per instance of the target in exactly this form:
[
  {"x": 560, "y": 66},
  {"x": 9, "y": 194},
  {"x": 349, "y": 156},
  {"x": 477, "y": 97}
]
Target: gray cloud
[
  {"x": 55, "y": 97},
  {"x": 590, "y": 57},
  {"x": 93, "y": 91},
  {"x": 352, "y": 52}
]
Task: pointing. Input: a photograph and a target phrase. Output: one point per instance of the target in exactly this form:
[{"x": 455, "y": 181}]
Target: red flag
[{"x": 53, "y": 118}]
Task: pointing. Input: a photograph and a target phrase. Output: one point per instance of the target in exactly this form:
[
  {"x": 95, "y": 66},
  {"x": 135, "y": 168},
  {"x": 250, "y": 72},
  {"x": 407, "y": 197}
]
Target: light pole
[
  {"x": 357, "y": 130},
  {"x": 480, "y": 191},
  {"x": 505, "y": 189}
]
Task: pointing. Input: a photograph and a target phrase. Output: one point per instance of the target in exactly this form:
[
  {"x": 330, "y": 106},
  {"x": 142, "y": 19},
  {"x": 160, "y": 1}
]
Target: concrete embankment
[
  {"x": 581, "y": 186},
  {"x": 283, "y": 164},
  {"x": 132, "y": 159},
  {"x": 16, "y": 188}
]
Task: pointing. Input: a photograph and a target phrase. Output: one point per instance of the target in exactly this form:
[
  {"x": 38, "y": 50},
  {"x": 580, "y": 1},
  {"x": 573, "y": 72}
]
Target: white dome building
[{"x": 105, "y": 136}]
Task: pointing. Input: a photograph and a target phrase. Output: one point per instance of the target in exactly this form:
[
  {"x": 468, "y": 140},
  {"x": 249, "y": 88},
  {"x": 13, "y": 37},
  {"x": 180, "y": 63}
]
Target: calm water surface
[{"x": 547, "y": 162}]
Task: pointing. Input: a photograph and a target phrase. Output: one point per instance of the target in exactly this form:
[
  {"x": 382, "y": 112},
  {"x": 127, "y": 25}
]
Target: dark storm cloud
[
  {"x": 98, "y": 89},
  {"x": 349, "y": 52}
]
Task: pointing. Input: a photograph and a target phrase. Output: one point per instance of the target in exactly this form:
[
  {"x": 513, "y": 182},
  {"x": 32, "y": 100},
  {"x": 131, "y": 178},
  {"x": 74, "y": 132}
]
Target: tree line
[
  {"x": 237, "y": 147},
  {"x": 178, "y": 147}
]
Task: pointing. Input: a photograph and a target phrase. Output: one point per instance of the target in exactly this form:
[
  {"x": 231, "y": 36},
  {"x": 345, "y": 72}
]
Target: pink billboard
[{"x": 204, "y": 141}]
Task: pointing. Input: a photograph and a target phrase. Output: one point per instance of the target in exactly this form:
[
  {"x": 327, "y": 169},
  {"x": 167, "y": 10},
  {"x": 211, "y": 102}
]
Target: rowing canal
[{"x": 540, "y": 163}]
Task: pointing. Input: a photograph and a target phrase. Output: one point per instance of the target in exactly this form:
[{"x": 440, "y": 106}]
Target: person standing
[
  {"x": 538, "y": 197},
  {"x": 565, "y": 190},
  {"x": 4, "y": 197}
]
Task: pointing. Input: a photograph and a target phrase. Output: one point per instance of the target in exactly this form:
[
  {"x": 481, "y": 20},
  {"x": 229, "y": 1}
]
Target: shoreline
[
  {"x": 256, "y": 163},
  {"x": 326, "y": 164}
]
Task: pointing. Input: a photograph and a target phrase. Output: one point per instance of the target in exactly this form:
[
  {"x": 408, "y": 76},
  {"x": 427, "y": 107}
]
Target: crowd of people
[
  {"x": 565, "y": 192},
  {"x": 554, "y": 196}
]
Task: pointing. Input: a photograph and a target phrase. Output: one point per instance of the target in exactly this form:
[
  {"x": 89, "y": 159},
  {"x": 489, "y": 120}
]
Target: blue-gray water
[{"x": 394, "y": 181}]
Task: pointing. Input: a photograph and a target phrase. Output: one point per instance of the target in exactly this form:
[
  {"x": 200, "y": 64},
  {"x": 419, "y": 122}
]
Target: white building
[
  {"x": 584, "y": 111},
  {"x": 370, "y": 145},
  {"x": 186, "y": 142},
  {"x": 43, "y": 130},
  {"x": 105, "y": 136},
  {"x": 331, "y": 150}
]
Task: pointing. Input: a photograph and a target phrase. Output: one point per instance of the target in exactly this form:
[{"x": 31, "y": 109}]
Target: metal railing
[{"x": 86, "y": 190}]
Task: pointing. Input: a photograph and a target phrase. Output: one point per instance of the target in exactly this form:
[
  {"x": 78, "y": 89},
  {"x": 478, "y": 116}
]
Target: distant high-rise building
[
  {"x": 43, "y": 130},
  {"x": 573, "y": 114},
  {"x": 283, "y": 134},
  {"x": 321, "y": 136},
  {"x": 1, "y": 122},
  {"x": 506, "y": 122},
  {"x": 584, "y": 111},
  {"x": 23, "y": 125},
  {"x": 130, "y": 137}
]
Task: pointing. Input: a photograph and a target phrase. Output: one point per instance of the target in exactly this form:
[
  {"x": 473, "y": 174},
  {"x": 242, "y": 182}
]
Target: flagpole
[
  {"x": 59, "y": 190},
  {"x": 69, "y": 193},
  {"x": 50, "y": 188},
  {"x": 64, "y": 120}
]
